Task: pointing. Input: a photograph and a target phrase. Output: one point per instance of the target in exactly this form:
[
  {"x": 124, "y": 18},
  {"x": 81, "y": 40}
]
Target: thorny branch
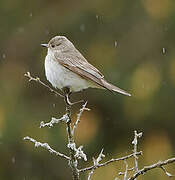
[
  {"x": 37, "y": 79},
  {"x": 54, "y": 121},
  {"x": 126, "y": 170},
  {"x": 46, "y": 146},
  {"x": 108, "y": 162},
  {"x": 159, "y": 164},
  {"x": 135, "y": 142},
  {"x": 77, "y": 153},
  {"x": 71, "y": 145},
  {"x": 96, "y": 163},
  {"x": 79, "y": 116}
]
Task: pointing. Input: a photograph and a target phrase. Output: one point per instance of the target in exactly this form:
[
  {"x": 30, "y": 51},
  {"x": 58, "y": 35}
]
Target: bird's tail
[{"x": 111, "y": 87}]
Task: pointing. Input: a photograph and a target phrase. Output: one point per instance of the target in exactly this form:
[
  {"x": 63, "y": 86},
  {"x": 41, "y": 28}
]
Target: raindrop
[
  {"x": 31, "y": 14},
  {"x": 99, "y": 17},
  {"x": 115, "y": 43},
  {"x": 3, "y": 56},
  {"x": 13, "y": 160},
  {"x": 82, "y": 27},
  {"x": 54, "y": 105},
  {"x": 163, "y": 50}
]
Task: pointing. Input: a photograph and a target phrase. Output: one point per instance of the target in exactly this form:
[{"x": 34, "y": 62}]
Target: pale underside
[{"x": 61, "y": 77}]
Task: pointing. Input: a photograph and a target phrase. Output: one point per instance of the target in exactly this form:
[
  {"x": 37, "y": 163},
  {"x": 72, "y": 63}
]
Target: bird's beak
[{"x": 45, "y": 45}]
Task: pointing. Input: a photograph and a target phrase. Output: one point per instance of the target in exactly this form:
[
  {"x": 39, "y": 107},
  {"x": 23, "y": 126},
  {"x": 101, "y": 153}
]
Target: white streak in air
[
  {"x": 3, "y": 56},
  {"x": 82, "y": 27},
  {"x": 115, "y": 43},
  {"x": 163, "y": 50}
]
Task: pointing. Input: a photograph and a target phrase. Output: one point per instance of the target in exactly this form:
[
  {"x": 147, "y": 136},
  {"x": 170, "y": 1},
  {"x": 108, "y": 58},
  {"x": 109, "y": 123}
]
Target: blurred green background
[{"x": 131, "y": 42}]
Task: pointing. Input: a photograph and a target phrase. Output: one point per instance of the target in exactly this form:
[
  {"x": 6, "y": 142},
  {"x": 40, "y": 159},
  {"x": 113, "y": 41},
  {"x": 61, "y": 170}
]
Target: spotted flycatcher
[{"x": 68, "y": 70}]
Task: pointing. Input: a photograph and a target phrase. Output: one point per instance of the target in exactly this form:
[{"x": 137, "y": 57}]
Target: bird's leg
[{"x": 67, "y": 94}]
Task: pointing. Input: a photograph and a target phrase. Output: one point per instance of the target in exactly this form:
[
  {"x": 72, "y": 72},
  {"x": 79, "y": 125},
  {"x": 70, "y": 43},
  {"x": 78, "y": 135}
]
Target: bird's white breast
[{"x": 60, "y": 77}]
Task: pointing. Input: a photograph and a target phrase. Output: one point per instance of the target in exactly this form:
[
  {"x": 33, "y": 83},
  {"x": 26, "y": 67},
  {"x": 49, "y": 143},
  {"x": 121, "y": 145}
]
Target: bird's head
[{"x": 60, "y": 43}]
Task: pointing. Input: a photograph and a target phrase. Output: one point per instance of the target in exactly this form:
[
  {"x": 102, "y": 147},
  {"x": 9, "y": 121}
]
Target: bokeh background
[{"x": 131, "y": 42}]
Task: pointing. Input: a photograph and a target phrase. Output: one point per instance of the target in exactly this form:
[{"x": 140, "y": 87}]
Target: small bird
[{"x": 68, "y": 70}]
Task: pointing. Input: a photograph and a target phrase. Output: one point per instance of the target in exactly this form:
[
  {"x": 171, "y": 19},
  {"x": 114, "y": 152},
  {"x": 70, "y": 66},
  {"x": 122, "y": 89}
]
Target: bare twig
[
  {"x": 122, "y": 173},
  {"x": 159, "y": 164},
  {"x": 37, "y": 79},
  {"x": 54, "y": 121},
  {"x": 71, "y": 145},
  {"x": 166, "y": 172},
  {"x": 135, "y": 168},
  {"x": 77, "y": 153},
  {"x": 80, "y": 154},
  {"x": 110, "y": 161},
  {"x": 135, "y": 142},
  {"x": 126, "y": 170},
  {"x": 90, "y": 174},
  {"x": 47, "y": 147},
  {"x": 116, "y": 178},
  {"x": 96, "y": 163},
  {"x": 79, "y": 116}
]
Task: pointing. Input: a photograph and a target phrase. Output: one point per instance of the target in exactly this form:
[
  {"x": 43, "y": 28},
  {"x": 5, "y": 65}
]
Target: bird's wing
[{"x": 79, "y": 65}]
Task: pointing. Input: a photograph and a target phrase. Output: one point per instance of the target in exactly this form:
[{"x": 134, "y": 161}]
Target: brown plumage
[{"x": 64, "y": 52}]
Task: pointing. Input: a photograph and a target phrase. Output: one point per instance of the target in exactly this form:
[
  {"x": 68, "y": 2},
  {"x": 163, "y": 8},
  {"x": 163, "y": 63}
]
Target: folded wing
[{"x": 78, "y": 64}]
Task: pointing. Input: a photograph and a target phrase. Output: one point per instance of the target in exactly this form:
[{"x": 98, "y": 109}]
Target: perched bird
[{"x": 68, "y": 70}]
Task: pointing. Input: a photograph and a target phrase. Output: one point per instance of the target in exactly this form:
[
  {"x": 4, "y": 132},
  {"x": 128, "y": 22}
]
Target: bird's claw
[{"x": 68, "y": 102}]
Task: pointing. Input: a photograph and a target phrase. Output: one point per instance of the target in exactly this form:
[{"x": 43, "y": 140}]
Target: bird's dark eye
[{"x": 52, "y": 45}]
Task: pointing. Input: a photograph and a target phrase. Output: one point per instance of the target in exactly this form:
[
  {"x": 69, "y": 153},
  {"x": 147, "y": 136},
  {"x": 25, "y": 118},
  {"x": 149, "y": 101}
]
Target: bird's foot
[
  {"x": 68, "y": 102},
  {"x": 67, "y": 94}
]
